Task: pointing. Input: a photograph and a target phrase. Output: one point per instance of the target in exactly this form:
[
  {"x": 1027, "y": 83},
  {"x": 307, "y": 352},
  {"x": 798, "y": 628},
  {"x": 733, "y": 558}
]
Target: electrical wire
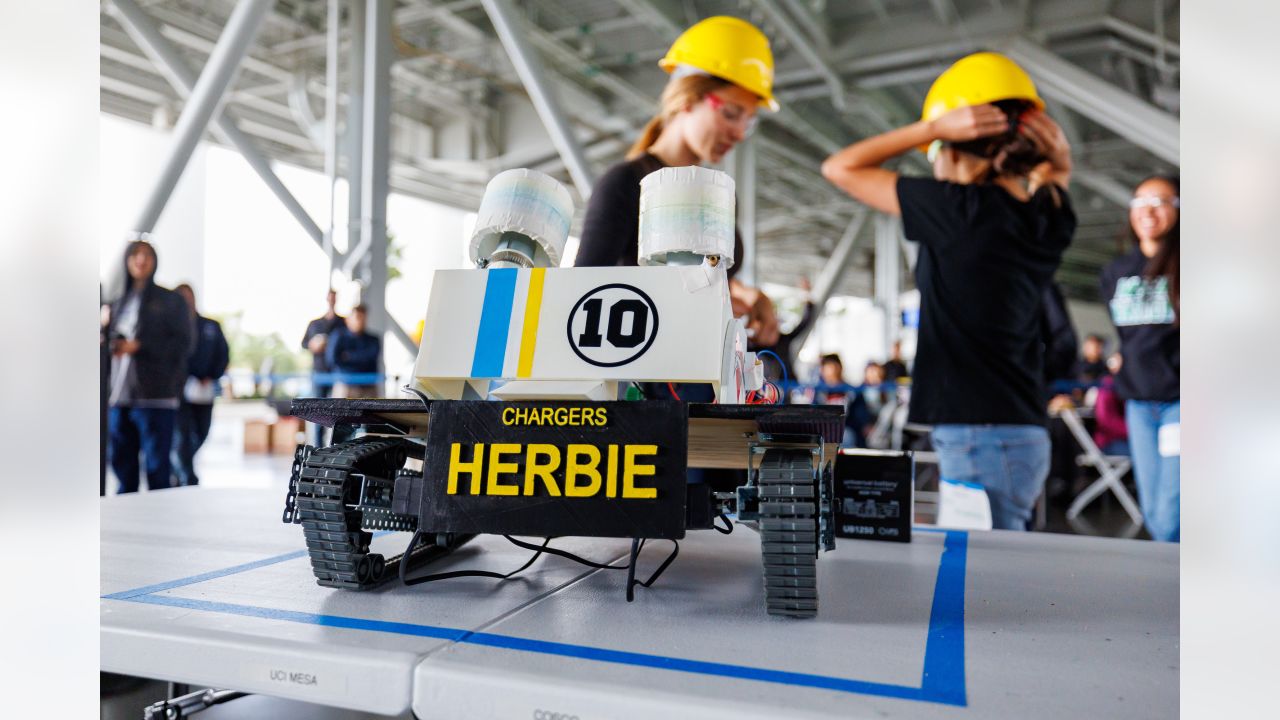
[{"x": 780, "y": 363}]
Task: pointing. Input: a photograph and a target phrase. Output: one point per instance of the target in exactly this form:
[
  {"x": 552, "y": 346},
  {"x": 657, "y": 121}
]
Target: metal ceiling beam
[
  {"x": 945, "y": 11},
  {"x": 804, "y": 47},
  {"x": 529, "y": 67},
  {"x": 833, "y": 271},
  {"x": 1126, "y": 115},
  {"x": 818, "y": 27},
  {"x": 224, "y": 62}
]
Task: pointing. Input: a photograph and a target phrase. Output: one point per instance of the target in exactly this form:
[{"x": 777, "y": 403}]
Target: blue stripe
[
  {"x": 161, "y": 587},
  {"x": 215, "y": 574},
  {"x": 943, "y": 679},
  {"x": 942, "y": 682},
  {"x": 495, "y": 321}
]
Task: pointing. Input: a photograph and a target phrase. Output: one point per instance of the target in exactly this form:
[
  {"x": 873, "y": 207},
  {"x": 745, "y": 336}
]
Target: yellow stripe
[{"x": 529, "y": 337}]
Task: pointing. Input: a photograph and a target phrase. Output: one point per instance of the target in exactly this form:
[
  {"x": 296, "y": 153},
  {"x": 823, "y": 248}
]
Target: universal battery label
[
  {"x": 599, "y": 469},
  {"x": 874, "y": 493}
]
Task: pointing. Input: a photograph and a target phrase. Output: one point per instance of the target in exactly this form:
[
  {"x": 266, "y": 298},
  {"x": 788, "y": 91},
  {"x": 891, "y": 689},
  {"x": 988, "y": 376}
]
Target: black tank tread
[
  {"x": 788, "y": 523},
  {"x": 334, "y": 524}
]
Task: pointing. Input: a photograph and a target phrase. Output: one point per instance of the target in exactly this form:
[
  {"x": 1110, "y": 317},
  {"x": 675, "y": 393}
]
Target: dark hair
[
  {"x": 360, "y": 308},
  {"x": 831, "y": 358},
  {"x": 1010, "y": 152},
  {"x": 1096, "y": 338},
  {"x": 1165, "y": 263}
]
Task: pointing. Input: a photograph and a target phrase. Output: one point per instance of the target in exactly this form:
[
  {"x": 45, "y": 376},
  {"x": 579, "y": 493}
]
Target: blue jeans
[
  {"x": 1010, "y": 462},
  {"x": 194, "y": 420},
  {"x": 1156, "y": 474},
  {"x": 149, "y": 430}
]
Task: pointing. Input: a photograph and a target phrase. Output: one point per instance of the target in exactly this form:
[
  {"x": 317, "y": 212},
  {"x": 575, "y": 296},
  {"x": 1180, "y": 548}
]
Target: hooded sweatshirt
[{"x": 162, "y": 323}]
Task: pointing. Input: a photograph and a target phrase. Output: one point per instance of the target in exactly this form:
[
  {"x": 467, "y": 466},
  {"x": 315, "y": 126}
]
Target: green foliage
[
  {"x": 248, "y": 351},
  {"x": 395, "y": 254}
]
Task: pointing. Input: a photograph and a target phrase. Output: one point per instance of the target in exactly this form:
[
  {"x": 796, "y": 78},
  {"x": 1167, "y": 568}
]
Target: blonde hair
[{"x": 679, "y": 93}]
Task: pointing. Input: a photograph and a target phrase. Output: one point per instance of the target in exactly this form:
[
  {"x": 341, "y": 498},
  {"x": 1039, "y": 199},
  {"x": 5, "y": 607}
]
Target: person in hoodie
[
  {"x": 352, "y": 353},
  {"x": 206, "y": 365},
  {"x": 151, "y": 333}
]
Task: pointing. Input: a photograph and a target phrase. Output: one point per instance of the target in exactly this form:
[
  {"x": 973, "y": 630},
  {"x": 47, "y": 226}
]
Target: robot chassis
[{"x": 565, "y": 342}]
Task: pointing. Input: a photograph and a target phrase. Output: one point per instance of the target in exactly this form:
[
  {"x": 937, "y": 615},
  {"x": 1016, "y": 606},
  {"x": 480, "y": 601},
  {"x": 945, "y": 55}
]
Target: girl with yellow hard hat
[
  {"x": 992, "y": 224},
  {"x": 721, "y": 75}
]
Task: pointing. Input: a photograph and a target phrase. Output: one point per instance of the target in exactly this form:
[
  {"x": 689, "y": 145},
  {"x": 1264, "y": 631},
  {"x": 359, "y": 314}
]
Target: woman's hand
[
  {"x": 970, "y": 123},
  {"x": 1049, "y": 139}
]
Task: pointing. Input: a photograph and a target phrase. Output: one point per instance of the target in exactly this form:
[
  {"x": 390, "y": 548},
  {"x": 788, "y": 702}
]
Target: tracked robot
[{"x": 551, "y": 402}]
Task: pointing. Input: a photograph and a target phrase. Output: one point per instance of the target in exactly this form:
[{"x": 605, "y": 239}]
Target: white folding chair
[{"x": 1111, "y": 470}]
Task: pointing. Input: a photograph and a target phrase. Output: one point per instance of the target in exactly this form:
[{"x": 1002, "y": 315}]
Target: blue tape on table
[{"x": 942, "y": 680}]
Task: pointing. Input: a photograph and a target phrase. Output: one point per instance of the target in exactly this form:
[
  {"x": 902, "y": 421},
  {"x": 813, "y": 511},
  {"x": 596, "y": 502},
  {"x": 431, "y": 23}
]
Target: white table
[{"x": 207, "y": 587}]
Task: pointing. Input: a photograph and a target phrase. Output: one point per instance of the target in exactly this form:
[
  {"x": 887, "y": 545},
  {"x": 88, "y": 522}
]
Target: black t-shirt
[
  {"x": 321, "y": 326},
  {"x": 985, "y": 260},
  {"x": 611, "y": 229},
  {"x": 1149, "y": 339}
]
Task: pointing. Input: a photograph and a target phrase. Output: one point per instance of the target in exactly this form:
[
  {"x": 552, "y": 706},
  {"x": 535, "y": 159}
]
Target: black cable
[
  {"x": 564, "y": 554},
  {"x": 727, "y": 529},
  {"x": 426, "y": 402},
  {"x": 404, "y": 566},
  {"x": 675, "y": 550}
]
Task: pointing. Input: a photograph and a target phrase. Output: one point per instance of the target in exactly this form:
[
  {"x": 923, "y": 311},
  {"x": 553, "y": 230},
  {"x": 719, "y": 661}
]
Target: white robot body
[{"x": 576, "y": 333}]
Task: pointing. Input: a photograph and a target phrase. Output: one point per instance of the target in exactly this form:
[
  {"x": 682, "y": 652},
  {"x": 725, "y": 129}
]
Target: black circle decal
[{"x": 612, "y": 325}]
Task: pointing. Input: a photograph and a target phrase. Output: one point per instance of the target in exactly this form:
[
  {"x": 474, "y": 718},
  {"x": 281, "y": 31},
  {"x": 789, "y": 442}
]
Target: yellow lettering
[
  {"x": 562, "y": 416},
  {"x": 497, "y": 467},
  {"x": 631, "y": 470},
  {"x": 534, "y": 469},
  {"x": 601, "y": 417},
  {"x": 611, "y": 485},
  {"x": 546, "y": 416},
  {"x": 507, "y": 414},
  {"x": 457, "y": 467},
  {"x": 575, "y": 416},
  {"x": 575, "y": 468}
]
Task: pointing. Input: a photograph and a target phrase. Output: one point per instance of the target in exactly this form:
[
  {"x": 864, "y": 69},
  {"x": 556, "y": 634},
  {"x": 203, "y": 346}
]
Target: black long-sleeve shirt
[{"x": 611, "y": 228}]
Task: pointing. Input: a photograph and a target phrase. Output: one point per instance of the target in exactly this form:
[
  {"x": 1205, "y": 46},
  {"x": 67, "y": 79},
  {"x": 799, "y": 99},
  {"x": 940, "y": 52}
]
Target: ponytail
[
  {"x": 682, "y": 91},
  {"x": 648, "y": 136}
]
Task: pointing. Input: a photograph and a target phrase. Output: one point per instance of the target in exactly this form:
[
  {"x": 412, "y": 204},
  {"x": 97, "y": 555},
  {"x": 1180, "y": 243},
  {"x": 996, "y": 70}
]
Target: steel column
[
  {"x": 376, "y": 144},
  {"x": 175, "y": 70},
  {"x": 804, "y": 46},
  {"x": 888, "y": 275},
  {"x": 824, "y": 286},
  {"x": 332, "y": 33},
  {"x": 1130, "y": 117},
  {"x": 206, "y": 96},
  {"x": 356, "y": 247},
  {"x": 529, "y": 67}
]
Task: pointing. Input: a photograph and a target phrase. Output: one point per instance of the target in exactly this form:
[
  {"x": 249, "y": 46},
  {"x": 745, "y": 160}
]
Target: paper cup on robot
[
  {"x": 686, "y": 210},
  {"x": 527, "y": 203}
]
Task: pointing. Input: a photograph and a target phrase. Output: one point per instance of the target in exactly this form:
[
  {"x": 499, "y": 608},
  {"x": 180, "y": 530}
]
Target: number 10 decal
[{"x": 613, "y": 325}]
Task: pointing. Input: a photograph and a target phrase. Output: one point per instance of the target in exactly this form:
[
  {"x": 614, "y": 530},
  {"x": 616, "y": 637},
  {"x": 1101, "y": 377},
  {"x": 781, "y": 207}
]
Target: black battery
[{"x": 874, "y": 495}]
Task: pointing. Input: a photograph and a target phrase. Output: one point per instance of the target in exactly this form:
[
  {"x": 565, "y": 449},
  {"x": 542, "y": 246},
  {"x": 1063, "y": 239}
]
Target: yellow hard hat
[
  {"x": 730, "y": 48},
  {"x": 978, "y": 79}
]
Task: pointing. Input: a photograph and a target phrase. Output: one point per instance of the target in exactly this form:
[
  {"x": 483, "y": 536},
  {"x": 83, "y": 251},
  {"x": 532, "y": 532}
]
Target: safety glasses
[
  {"x": 1153, "y": 201},
  {"x": 734, "y": 114}
]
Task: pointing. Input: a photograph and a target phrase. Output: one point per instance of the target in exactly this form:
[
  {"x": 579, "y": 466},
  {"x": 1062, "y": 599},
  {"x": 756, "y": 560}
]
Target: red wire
[{"x": 672, "y": 388}]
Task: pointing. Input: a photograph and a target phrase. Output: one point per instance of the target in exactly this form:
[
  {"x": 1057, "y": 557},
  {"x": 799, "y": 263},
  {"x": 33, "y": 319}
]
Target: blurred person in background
[
  {"x": 784, "y": 348},
  {"x": 1141, "y": 292},
  {"x": 205, "y": 367},
  {"x": 895, "y": 367},
  {"x": 1111, "y": 432},
  {"x": 353, "y": 352},
  {"x": 721, "y": 72},
  {"x": 992, "y": 224},
  {"x": 151, "y": 333},
  {"x": 315, "y": 341},
  {"x": 1092, "y": 365}
]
